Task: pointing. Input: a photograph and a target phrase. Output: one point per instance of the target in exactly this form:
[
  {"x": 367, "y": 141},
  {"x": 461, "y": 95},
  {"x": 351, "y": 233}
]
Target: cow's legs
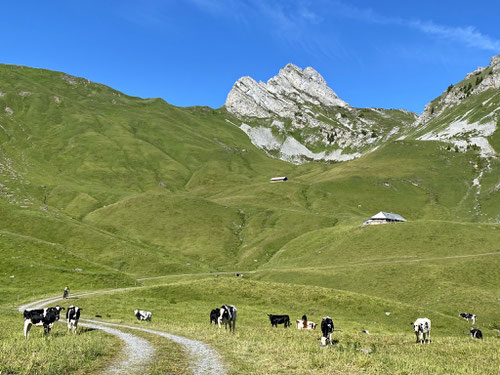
[
  {"x": 69, "y": 327},
  {"x": 27, "y": 327},
  {"x": 429, "y": 336},
  {"x": 75, "y": 326}
]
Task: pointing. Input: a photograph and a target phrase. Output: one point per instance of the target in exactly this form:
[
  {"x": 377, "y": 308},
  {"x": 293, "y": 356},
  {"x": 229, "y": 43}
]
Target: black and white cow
[
  {"x": 476, "y": 333},
  {"x": 468, "y": 317},
  {"x": 227, "y": 314},
  {"x": 422, "y": 328},
  {"x": 142, "y": 315},
  {"x": 327, "y": 328},
  {"x": 214, "y": 315},
  {"x": 72, "y": 317},
  {"x": 279, "y": 319},
  {"x": 41, "y": 317}
]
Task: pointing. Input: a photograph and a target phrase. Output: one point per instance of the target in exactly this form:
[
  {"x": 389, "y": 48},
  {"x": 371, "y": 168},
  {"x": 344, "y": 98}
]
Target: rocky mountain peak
[
  {"x": 295, "y": 116},
  {"x": 495, "y": 62},
  {"x": 282, "y": 95}
]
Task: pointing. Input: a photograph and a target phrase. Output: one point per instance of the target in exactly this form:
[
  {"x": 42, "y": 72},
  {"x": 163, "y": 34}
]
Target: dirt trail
[
  {"x": 343, "y": 265},
  {"x": 204, "y": 358},
  {"x": 138, "y": 352}
]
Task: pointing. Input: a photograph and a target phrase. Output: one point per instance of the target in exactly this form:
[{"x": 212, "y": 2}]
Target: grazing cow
[
  {"x": 476, "y": 333},
  {"x": 41, "y": 317},
  {"x": 227, "y": 314},
  {"x": 422, "y": 327},
  {"x": 72, "y": 317},
  {"x": 468, "y": 317},
  {"x": 327, "y": 328},
  {"x": 142, "y": 315},
  {"x": 304, "y": 323},
  {"x": 214, "y": 315},
  {"x": 279, "y": 319}
]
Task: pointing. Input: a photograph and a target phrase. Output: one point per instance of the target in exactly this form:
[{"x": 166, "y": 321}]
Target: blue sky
[{"x": 390, "y": 54}]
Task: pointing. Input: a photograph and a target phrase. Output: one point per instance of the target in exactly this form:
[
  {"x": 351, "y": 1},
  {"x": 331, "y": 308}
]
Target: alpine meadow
[{"x": 170, "y": 210}]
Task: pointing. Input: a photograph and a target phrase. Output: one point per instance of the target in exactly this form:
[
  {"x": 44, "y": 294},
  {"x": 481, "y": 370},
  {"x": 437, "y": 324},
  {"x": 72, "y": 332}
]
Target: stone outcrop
[{"x": 282, "y": 95}]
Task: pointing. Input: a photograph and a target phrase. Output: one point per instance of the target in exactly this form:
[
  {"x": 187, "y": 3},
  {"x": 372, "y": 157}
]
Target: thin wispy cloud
[
  {"x": 294, "y": 18},
  {"x": 468, "y": 35}
]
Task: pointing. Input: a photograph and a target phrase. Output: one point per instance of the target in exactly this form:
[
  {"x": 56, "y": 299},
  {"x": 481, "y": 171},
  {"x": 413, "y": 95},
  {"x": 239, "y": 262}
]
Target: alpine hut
[
  {"x": 384, "y": 218},
  {"x": 279, "y": 179}
]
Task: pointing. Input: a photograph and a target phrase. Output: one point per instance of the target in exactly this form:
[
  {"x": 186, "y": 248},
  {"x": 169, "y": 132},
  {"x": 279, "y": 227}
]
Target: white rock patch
[{"x": 261, "y": 137}]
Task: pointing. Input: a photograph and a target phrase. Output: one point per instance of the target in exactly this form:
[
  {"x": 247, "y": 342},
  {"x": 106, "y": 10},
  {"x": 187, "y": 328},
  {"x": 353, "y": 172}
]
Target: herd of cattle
[
  {"x": 48, "y": 316},
  {"x": 225, "y": 315}
]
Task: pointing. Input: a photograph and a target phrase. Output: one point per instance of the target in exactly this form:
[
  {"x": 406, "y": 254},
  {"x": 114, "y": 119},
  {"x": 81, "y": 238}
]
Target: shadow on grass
[{"x": 84, "y": 330}]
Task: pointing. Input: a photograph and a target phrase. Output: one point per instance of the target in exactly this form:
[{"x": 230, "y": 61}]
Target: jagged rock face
[
  {"x": 296, "y": 112},
  {"x": 281, "y": 95},
  {"x": 466, "y": 114}
]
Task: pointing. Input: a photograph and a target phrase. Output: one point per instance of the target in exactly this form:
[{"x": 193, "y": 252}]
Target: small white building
[
  {"x": 384, "y": 218},
  {"x": 279, "y": 179}
]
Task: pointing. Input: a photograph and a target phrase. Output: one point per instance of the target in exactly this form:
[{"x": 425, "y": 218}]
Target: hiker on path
[{"x": 66, "y": 292}]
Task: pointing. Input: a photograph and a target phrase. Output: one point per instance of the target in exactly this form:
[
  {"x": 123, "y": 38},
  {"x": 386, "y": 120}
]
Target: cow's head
[{"x": 417, "y": 327}]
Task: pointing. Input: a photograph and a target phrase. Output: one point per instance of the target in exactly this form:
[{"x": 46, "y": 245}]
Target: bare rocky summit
[
  {"x": 282, "y": 95},
  {"x": 296, "y": 117}
]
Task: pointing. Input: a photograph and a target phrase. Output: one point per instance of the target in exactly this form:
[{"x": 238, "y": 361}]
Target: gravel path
[
  {"x": 138, "y": 352},
  {"x": 204, "y": 358}
]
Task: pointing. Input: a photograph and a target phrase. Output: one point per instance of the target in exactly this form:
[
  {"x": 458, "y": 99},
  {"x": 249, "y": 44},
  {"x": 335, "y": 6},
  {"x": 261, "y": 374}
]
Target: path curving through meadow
[{"x": 138, "y": 352}]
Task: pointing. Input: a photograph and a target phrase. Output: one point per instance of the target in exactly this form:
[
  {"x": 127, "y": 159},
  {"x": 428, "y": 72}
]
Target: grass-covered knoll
[{"x": 257, "y": 348}]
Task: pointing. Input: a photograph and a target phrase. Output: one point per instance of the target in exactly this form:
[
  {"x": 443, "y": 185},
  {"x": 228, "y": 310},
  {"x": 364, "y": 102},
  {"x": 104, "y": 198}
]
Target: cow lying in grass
[
  {"x": 468, "y": 317},
  {"x": 305, "y": 324},
  {"x": 142, "y": 315},
  {"x": 227, "y": 316},
  {"x": 41, "y": 317},
  {"x": 279, "y": 319},
  {"x": 476, "y": 333},
  {"x": 72, "y": 317},
  {"x": 422, "y": 328}
]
